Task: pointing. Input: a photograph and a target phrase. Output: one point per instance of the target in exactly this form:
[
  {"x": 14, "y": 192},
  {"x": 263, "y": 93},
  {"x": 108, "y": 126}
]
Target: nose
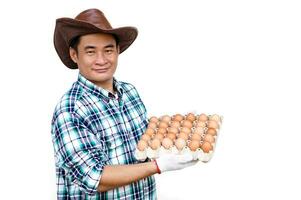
[{"x": 101, "y": 59}]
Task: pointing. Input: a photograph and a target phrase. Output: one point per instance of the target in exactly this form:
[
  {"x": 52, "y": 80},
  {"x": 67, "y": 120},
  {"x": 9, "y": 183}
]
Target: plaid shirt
[{"x": 92, "y": 128}]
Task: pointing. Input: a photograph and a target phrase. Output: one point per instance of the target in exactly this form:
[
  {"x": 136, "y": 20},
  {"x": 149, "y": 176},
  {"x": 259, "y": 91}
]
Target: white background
[{"x": 237, "y": 58}]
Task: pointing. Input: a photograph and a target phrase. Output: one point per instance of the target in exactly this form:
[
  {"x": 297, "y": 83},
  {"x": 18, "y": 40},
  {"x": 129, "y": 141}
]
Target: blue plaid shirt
[{"x": 91, "y": 128}]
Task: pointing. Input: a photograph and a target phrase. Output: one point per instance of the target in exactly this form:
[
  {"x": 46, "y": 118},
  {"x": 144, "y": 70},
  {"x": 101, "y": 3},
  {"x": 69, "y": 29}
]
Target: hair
[{"x": 75, "y": 41}]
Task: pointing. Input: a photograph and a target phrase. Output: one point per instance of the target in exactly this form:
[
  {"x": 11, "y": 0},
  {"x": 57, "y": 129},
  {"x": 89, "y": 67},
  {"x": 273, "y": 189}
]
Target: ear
[{"x": 73, "y": 54}]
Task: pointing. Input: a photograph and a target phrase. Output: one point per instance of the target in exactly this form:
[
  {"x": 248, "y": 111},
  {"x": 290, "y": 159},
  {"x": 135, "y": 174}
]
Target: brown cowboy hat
[{"x": 88, "y": 22}]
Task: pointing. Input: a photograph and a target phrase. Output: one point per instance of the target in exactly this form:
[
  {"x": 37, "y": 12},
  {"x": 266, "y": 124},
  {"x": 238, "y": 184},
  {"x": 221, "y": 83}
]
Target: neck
[{"x": 107, "y": 85}]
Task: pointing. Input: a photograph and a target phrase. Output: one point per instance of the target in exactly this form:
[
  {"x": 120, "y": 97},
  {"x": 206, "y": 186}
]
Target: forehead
[{"x": 97, "y": 40}]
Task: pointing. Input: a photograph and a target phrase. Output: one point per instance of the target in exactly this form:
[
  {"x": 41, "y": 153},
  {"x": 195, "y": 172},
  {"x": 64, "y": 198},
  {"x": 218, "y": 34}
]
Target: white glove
[{"x": 170, "y": 162}]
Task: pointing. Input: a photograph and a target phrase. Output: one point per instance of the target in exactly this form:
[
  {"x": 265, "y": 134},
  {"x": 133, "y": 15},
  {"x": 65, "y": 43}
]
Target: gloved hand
[{"x": 170, "y": 162}]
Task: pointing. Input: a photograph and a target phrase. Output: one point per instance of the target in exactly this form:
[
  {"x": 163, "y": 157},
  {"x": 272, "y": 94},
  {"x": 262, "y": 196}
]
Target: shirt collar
[{"x": 98, "y": 91}]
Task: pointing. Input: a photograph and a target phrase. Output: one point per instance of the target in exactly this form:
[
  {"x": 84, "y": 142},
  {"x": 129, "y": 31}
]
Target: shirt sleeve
[{"x": 78, "y": 152}]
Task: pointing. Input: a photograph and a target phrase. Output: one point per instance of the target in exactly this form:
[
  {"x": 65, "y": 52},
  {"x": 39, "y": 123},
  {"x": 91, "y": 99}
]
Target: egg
[
  {"x": 154, "y": 119},
  {"x": 187, "y": 123},
  {"x": 194, "y": 145},
  {"x": 173, "y": 130},
  {"x": 165, "y": 118},
  {"x": 142, "y": 145},
  {"x": 175, "y": 124},
  {"x": 215, "y": 117},
  {"x": 163, "y": 124},
  {"x": 152, "y": 125},
  {"x": 206, "y": 147},
  {"x": 180, "y": 143},
  {"x": 196, "y": 136},
  {"x": 199, "y": 130},
  {"x": 183, "y": 135},
  {"x": 211, "y": 131},
  {"x": 201, "y": 124},
  {"x": 167, "y": 143},
  {"x": 150, "y": 132},
  {"x": 159, "y": 136},
  {"x": 203, "y": 117},
  {"x": 171, "y": 136},
  {"x": 162, "y": 131},
  {"x": 186, "y": 130},
  {"x": 178, "y": 117},
  {"x": 209, "y": 138},
  {"x": 212, "y": 124},
  {"x": 191, "y": 117},
  {"x": 145, "y": 137},
  {"x": 155, "y": 144}
]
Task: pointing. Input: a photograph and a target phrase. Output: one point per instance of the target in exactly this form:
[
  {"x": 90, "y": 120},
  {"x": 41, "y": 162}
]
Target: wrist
[{"x": 157, "y": 167}]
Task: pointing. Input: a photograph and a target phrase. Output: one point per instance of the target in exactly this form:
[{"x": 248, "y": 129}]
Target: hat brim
[{"x": 67, "y": 29}]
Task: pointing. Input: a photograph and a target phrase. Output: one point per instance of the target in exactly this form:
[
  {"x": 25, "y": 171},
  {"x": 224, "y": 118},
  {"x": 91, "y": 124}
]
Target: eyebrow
[
  {"x": 89, "y": 47},
  {"x": 94, "y": 47}
]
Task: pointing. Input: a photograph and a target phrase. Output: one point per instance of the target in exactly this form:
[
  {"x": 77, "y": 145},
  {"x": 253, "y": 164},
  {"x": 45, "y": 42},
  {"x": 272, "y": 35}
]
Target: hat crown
[{"x": 95, "y": 17}]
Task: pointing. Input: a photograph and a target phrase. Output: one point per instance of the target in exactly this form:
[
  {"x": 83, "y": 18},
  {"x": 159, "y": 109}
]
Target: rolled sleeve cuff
[{"x": 91, "y": 180}]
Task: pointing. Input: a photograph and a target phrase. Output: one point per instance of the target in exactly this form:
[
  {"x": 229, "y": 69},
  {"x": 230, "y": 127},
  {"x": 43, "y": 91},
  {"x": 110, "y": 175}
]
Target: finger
[
  {"x": 185, "y": 158},
  {"x": 191, "y": 163}
]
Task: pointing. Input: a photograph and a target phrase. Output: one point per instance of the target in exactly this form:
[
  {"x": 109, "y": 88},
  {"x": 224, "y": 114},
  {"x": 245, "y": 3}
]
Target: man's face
[{"x": 96, "y": 58}]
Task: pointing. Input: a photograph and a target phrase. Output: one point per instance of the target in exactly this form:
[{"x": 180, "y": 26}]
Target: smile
[{"x": 101, "y": 70}]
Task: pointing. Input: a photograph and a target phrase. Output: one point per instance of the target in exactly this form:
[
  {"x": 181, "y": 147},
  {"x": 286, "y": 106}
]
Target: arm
[{"x": 119, "y": 175}]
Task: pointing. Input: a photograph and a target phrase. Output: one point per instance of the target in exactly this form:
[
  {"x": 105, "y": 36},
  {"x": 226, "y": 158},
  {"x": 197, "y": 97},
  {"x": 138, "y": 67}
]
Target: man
[{"x": 98, "y": 122}]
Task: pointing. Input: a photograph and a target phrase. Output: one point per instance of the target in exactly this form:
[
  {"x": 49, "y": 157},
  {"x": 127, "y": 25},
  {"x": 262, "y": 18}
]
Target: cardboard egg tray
[{"x": 199, "y": 131}]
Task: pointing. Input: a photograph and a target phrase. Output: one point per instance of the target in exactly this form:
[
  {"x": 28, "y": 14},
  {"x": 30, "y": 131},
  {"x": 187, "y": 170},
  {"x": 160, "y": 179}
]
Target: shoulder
[{"x": 68, "y": 101}]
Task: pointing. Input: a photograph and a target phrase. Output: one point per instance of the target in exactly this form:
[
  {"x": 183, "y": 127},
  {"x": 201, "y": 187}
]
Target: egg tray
[{"x": 197, "y": 154}]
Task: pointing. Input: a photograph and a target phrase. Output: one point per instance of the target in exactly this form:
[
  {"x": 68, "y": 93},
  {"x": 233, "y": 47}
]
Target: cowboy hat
[{"x": 88, "y": 22}]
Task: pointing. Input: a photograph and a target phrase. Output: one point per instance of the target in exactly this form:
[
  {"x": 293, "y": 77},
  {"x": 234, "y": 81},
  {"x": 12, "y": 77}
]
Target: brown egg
[
  {"x": 152, "y": 125},
  {"x": 186, "y": 130},
  {"x": 167, "y": 143},
  {"x": 180, "y": 143},
  {"x": 163, "y": 125},
  {"x": 211, "y": 131},
  {"x": 154, "y": 119},
  {"x": 142, "y": 145},
  {"x": 199, "y": 130},
  {"x": 150, "y": 132},
  {"x": 206, "y": 147},
  {"x": 159, "y": 136},
  {"x": 162, "y": 131},
  {"x": 145, "y": 137},
  {"x": 173, "y": 130},
  {"x": 212, "y": 124},
  {"x": 196, "y": 136},
  {"x": 171, "y": 136},
  {"x": 194, "y": 145},
  {"x": 201, "y": 124},
  {"x": 209, "y": 138},
  {"x": 187, "y": 123},
  {"x": 165, "y": 118},
  {"x": 178, "y": 117},
  {"x": 175, "y": 124},
  {"x": 191, "y": 117},
  {"x": 183, "y": 135},
  {"x": 155, "y": 144},
  {"x": 203, "y": 117}
]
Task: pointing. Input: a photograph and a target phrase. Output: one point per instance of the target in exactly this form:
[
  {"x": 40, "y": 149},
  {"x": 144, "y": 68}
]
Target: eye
[
  {"x": 109, "y": 51},
  {"x": 90, "y": 52}
]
